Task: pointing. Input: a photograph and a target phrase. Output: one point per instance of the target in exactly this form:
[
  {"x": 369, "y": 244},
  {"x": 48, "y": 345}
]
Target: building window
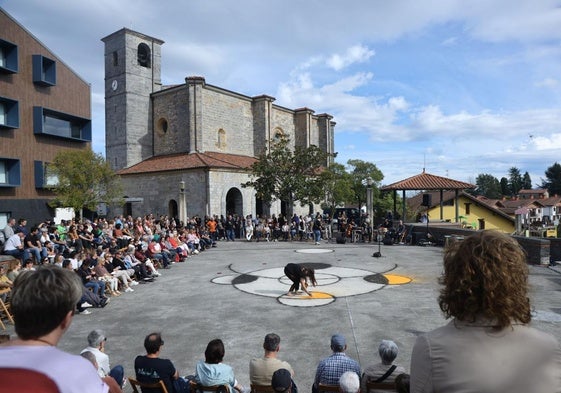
[
  {"x": 8, "y": 57},
  {"x": 10, "y": 172},
  {"x": 44, "y": 177},
  {"x": 278, "y": 134},
  {"x": 221, "y": 140},
  {"x": 4, "y": 216},
  {"x": 44, "y": 71},
  {"x": 115, "y": 59},
  {"x": 468, "y": 206},
  {"x": 143, "y": 55},
  {"x": 9, "y": 113},
  {"x": 162, "y": 125},
  {"x": 49, "y": 122}
]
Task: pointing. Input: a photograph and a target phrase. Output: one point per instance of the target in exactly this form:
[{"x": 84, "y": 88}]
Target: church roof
[
  {"x": 426, "y": 181},
  {"x": 177, "y": 162}
]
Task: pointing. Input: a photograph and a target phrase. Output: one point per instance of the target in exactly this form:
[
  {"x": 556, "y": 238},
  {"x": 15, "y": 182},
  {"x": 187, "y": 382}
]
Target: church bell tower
[{"x": 132, "y": 74}]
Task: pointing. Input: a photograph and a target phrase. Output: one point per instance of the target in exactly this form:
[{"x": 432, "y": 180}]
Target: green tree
[
  {"x": 85, "y": 180},
  {"x": 338, "y": 185},
  {"x": 526, "y": 181},
  {"x": 514, "y": 180},
  {"x": 505, "y": 189},
  {"x": 361, "y": 170},
  {"x": 488, "y": 186},
  {"x": 552, "y": 182},
  {"x": 289, "y": 175}
]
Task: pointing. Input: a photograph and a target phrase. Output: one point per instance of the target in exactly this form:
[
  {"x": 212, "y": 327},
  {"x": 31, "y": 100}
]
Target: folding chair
[
  {"x": 5, "y": 310},
  {"x": 261, "y": 388},
  {"x": 198, "y": 388},
  {"x": 135, "y": 385},
  {"x": 328, "y": 388},
  {"x": 380, "y": 386}
]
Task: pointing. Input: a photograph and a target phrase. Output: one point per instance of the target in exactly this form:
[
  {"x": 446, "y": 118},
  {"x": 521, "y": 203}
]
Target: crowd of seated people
[
  {"x": 109, "y": 256},
  {"x": 486, "y": 315}
]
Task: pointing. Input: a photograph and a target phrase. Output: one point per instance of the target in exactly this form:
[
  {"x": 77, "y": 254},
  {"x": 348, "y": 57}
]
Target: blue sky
[{"x": 458, "y": 87}]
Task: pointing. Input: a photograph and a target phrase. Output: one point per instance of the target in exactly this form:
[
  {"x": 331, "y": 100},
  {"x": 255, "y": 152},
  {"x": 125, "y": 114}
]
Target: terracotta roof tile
[
  {"x": 177, "y": 162},
  {"x": 426, "y": 181}
]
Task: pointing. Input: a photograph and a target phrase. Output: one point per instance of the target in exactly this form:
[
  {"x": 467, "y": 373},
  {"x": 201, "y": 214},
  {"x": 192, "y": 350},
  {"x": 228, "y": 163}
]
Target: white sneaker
[
  {"x": 134, "y": 283},
  {"x": 129, "y": 289},
  {"x": 86, "y": 305},
  {"x": 85, "y": 312}
]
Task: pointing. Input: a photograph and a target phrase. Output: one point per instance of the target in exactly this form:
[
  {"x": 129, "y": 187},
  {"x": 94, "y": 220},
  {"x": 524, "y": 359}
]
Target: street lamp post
[
  {"x": 182, "y": 203},
  {"x": 369, "y": 205}
]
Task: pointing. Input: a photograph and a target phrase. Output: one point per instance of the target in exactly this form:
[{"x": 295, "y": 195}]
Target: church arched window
[
  {"x": 221, "y": 140},
  {"x": 143, "y": 55}
]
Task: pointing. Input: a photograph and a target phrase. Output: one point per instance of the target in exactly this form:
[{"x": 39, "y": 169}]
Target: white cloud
[
  {"x": 548, "y": 82},
  {"x": 354, "y": 54}
]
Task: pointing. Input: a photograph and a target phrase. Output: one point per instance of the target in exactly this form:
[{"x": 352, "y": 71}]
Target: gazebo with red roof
[{"x": 424, "y": 182}]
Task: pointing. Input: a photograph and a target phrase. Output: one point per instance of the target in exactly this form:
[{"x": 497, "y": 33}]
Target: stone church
[{"x": 185, "y": 149}]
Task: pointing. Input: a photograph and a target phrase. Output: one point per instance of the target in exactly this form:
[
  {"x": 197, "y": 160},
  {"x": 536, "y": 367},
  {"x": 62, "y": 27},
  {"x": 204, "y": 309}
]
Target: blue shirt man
[{"x": 331, "y": 368}]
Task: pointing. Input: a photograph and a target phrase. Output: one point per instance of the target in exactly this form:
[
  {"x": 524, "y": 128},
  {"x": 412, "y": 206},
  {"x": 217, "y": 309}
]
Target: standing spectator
[
  {"x": 488, "y": 345},
  {"x": 9, "y": 228},
  {"x": 43, "y": 304},
  {"x": 22, "y": 226},
  {"x": 150, "y": 368},
  {"x": 212, "y": 226},
  {"x": 229, "y": 226},
  {"x": 330, "y": 369},
  {"x": 316, "y": 227}
]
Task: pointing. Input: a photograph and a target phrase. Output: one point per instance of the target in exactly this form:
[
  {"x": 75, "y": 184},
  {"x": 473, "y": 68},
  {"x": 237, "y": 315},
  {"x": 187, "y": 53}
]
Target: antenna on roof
[{"x": 424, "y": 161}]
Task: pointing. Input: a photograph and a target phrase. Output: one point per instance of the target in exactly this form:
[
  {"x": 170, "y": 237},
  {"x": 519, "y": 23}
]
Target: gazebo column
[
  {"x": 457, "y": 208},
  {"x": 441, "y": 204},
  {"x": 404, "y": 205}
]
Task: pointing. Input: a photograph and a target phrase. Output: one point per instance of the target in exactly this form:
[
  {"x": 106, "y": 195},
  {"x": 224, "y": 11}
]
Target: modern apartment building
[{"x": 45, "y": 107}]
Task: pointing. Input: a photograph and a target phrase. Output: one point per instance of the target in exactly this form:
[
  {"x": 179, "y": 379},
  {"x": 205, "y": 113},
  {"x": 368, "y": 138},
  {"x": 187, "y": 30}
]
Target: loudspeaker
[
  {"x": 427, "y": 200},
  {"x": 341, "y": 239}
]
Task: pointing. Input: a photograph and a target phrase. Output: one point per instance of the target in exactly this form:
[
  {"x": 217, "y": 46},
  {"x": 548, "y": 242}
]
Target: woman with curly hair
[{"x": 488, "y": 345}]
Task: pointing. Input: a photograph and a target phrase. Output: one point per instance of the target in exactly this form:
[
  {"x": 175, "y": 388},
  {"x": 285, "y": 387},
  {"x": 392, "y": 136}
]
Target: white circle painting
[{"x": 333, "y": 282}]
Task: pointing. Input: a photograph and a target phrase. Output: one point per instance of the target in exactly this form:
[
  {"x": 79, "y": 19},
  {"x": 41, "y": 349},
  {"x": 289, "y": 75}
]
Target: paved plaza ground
[{"x": 236, "y": 292}]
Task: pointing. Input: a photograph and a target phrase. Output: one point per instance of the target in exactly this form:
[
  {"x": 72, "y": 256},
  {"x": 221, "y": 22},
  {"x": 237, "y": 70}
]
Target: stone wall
[
  {"x": 171, "y": 122},
  {"x": 555, "y": 250},
  {"x": 231, "y": 113},
  {"x": 540, "y": 251}
]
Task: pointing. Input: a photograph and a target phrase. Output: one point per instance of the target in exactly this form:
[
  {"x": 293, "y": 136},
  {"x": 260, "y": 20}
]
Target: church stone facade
[{"x": 185, "y": 149}]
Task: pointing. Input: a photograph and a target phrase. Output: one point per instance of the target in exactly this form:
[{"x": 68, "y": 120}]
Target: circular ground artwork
[
  {"x": 333, "y": 282},
  {"x": 314, "y": 251}
]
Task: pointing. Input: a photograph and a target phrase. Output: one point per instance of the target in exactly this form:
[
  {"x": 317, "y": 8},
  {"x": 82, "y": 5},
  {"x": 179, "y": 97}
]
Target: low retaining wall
[{"x": 540, "y": 251}]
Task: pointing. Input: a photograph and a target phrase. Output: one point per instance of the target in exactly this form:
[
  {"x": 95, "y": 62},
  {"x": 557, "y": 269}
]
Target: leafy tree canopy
[
  {"x": 289, "y": 175},
  {"x": 360, "y": 170},
  {"x": 514, "y": 180},
  {"x": 85, "y": 179},
  {"x": 488, "y": 186},
  {"x": 526, "y": 181},
  {"x": 552, "y": 182},
  {"x": 338, "y": 186}
]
